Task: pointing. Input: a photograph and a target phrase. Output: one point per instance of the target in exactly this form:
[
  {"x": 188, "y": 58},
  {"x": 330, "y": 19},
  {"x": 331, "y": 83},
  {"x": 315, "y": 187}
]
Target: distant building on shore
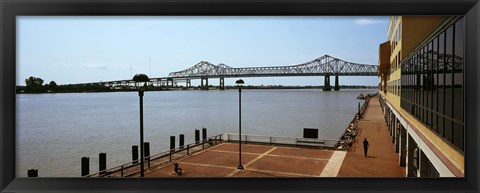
[{"x": 421, "y": 85}]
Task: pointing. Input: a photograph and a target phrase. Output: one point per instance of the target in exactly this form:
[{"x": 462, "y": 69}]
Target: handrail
[
  {"x": 121, "y": 168},
  {"x": 351, "y": 130},
  {"x": 325, "y": 143}
]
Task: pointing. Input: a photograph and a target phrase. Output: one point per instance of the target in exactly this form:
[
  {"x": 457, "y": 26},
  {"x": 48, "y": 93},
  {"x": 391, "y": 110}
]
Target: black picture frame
[{"x": 9, "y": 9}]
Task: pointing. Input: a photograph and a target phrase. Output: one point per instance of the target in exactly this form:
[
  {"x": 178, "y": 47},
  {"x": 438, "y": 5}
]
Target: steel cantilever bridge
[{"x": 323, "y": 66}]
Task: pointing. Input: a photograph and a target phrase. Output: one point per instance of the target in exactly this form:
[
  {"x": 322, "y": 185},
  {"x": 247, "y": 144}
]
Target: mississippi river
[{"x": 55, "y": 130}]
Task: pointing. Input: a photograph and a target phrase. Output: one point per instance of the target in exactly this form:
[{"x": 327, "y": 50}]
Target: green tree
[
  {"x": 52, "y": 85},
  {"x": 34, "y": 84}
]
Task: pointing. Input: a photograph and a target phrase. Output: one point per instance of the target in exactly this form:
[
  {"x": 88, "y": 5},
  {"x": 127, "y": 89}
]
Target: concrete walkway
[{"x": 382, "y": 161}]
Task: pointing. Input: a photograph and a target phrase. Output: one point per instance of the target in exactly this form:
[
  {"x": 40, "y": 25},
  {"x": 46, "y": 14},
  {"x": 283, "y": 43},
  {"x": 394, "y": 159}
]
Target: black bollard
[
  {"x": 204, "y": 133},
  {"x": 102, "y": 162},
  {"x": 181, "y": 141},
  {"x": 146, "y": 148},
  {"x": 358, "y": 108},
  {"x": 85, "y": 166},
  {"x": 197, "y": 135},
  {"x": 134, "y": 154},
  {"x": 172, "y": 143},
  {"x": 32, "y": 173}
]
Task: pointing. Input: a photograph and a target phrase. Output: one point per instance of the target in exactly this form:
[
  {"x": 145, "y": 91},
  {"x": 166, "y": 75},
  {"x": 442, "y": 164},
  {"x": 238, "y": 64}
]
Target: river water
[{"x": 55, "y": 130}]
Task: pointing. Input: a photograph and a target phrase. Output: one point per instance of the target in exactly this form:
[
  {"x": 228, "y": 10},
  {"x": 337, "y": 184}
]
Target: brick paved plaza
[{"x": 258, "y": 161}]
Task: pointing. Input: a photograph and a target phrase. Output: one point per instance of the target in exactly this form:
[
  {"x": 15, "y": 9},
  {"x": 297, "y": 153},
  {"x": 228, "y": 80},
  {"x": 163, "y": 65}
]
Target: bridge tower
[
  {"x": 326, "y": 85},
  {"x": 337, "y": 87},
  {"x": 204, "y": 86},
  {"x": 222, "y": 83}
]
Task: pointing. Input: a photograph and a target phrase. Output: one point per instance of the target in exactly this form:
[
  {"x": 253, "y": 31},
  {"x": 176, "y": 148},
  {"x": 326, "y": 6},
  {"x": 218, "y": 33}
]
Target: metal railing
[
  {"x": 351, "y": 131},
  {"x": 133, "y": 167},
  {"x": 281, "y": 140}
]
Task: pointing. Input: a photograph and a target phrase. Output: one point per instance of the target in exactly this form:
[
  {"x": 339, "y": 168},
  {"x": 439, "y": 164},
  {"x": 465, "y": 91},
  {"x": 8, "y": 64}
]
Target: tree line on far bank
[{"x": 35, "y": 85}]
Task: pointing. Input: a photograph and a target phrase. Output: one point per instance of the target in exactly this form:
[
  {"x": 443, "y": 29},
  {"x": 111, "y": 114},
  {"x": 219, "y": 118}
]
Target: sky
[{"x": 81, "y": 49}]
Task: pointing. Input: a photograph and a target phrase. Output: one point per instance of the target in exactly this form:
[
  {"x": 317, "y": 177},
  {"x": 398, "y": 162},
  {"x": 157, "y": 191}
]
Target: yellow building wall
[
  {"x": 415, "y": 29},
  {"x": 393, "y": 99},
  {"x": 395, "y": 75}
]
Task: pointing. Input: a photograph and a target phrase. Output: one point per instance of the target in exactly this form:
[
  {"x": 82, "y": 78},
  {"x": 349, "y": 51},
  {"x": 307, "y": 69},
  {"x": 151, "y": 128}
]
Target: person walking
[{"x": 365, "y": 147}]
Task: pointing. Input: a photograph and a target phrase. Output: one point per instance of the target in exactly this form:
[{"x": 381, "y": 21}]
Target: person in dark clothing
[{"x": 365, "y": 146}]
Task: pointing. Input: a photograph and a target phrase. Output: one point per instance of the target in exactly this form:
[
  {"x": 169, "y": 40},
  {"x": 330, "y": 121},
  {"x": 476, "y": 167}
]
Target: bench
[{"x": 311, "y": 142}]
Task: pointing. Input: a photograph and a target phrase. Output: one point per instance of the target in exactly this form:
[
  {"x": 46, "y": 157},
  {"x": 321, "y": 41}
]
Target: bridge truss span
[{"x": 325, "y": 65}]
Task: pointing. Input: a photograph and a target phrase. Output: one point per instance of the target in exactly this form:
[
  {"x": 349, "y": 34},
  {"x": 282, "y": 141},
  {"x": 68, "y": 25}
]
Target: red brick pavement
[
  {"x": 294, "y": 165},
  {"x": 382, "y": 161},
  {"x": 309, "y": 153},
  {"x": 258, "y": 160},
  {"x": 246, "y": 148}
]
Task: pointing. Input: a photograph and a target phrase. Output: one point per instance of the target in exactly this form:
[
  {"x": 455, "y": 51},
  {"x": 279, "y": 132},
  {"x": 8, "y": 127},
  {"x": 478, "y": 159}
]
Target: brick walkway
[
  {"x": 382, "y": 161},
  {"x": 258, "y": 161}
]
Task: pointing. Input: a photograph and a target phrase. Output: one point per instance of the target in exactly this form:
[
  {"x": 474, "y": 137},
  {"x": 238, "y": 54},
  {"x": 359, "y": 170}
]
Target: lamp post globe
[
  {"x": 141, "y": 78},
  {"x": 239, "y": 83}
]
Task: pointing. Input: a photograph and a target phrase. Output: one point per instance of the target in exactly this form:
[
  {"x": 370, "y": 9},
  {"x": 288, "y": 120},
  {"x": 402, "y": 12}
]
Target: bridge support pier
[
  {"x": 326, "y": 85},
  {"x": 171, "y": 81},
  {"x": 204, "y": 86},
  {"x": 189, "y": 83},
  {"x": 222, "y": 83},
  {"x": 337, "y": 87}
]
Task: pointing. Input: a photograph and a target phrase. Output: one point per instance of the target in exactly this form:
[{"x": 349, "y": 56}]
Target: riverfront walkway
[
  {"x": 266, "y": 160},
  {"x": 382, "y": 161}
]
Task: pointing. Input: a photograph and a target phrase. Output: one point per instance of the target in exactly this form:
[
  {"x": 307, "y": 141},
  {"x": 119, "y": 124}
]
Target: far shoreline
[{"x": 21, "y": 89}]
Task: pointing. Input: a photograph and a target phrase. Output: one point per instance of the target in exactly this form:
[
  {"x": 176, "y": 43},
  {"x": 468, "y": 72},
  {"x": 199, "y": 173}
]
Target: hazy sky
[{"x": 89, "y": 49}]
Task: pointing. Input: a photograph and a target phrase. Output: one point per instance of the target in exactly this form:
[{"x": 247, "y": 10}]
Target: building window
[
  {"x": 435, "y": 73},
  {"x": 458, "y": 102},
  {"x": 448, "y": 82},
  {"x": 441, "y": 78},
  {"x": 432, "y": 84}
]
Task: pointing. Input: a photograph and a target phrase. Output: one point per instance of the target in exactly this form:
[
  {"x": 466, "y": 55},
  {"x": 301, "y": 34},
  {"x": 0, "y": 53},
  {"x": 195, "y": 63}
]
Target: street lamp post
[
  {"x": 141, "y": 78},
  {"x": 239, "y": 83}
]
